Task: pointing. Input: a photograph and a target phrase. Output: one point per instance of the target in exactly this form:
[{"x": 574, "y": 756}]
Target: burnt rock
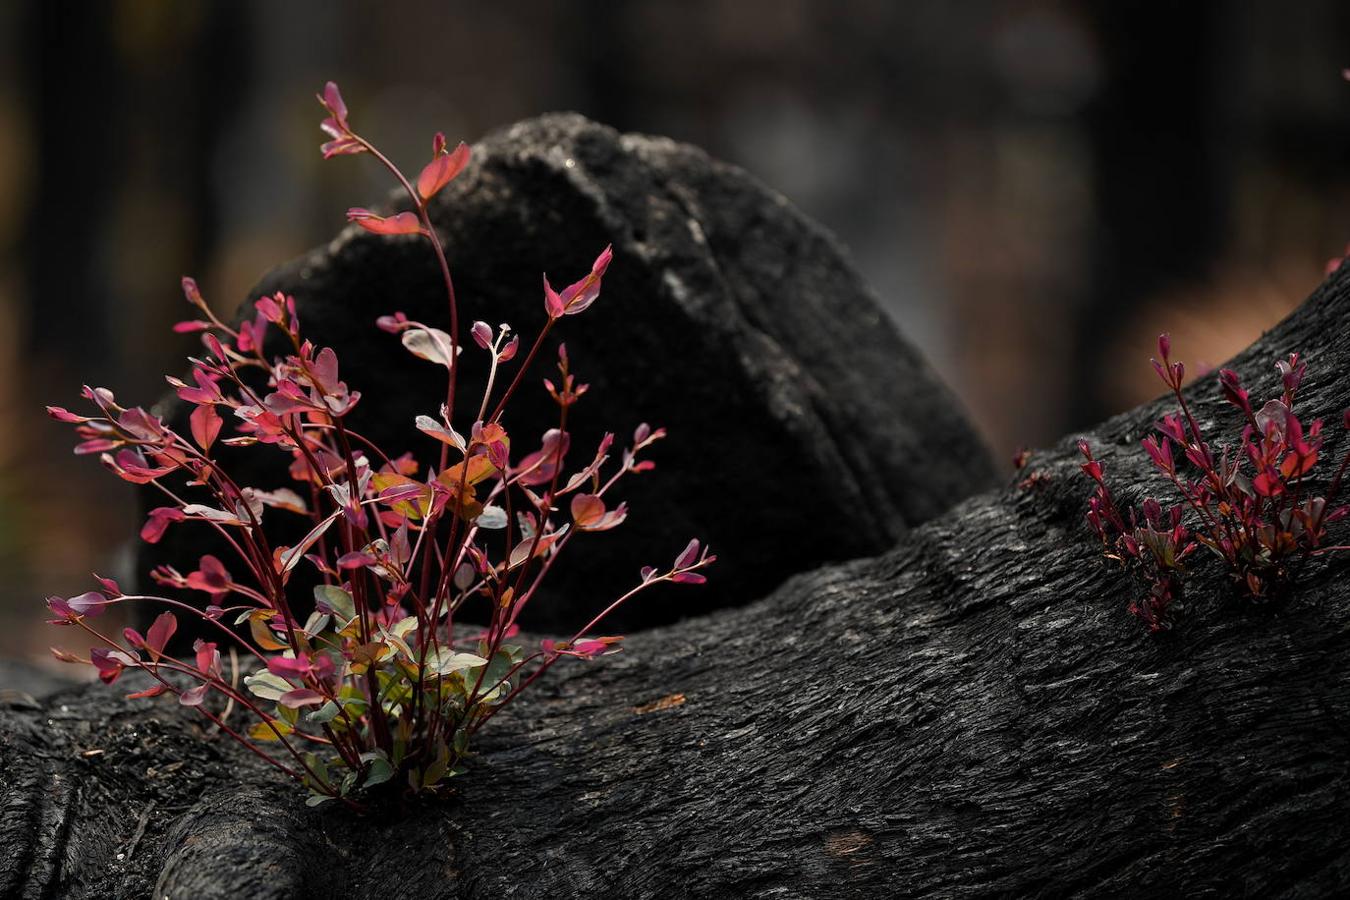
[{"x": 803, "y": 428}]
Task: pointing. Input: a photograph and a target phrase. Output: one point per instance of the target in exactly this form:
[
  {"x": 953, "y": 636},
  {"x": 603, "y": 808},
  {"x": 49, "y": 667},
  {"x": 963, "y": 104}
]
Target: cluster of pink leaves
[
  {"x": 1255, "y": 506},
  {"x": 379, "y": 680}
]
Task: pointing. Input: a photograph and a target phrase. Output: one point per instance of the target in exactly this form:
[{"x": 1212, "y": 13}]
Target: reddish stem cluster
[
  {"x": 1254, "y": 507},
  {"x": 377, "y": 681}
]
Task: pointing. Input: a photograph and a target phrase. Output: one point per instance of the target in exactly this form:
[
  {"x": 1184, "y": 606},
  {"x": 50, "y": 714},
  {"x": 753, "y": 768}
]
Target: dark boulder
[{"x": 803, "y": 428}]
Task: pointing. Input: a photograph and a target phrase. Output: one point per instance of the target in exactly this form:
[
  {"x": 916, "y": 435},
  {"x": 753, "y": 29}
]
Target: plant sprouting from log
[
  {"x": 1257, "y": 505},
  {"x": 384, "y": 679}
]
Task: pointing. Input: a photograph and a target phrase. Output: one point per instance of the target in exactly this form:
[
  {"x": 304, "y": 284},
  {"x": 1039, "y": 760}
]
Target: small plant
[
  {"x": 383, "y": 679},
  {"x": 1254, "y": 507}
]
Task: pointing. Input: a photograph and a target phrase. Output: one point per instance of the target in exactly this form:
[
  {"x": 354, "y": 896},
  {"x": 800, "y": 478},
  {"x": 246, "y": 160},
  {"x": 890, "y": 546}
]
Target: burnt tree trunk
[{"x": 971, "y": 713}]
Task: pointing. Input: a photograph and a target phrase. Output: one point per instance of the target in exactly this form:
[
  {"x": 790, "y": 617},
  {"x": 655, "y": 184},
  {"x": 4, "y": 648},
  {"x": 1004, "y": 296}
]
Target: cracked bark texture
[
  {"x": 970, "y": 713},
  {"x": 800, "y": 420}
]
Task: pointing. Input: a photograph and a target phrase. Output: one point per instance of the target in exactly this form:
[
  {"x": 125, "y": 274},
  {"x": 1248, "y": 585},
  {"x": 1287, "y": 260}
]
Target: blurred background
[{"x": 1035, "y": 189}]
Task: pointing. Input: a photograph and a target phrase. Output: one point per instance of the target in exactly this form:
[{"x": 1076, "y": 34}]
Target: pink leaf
[
  {"x": 191, "y": 293},
  {"x": 194, "y": 696},
  {"x": 206, "y": 425},
  {"x": 300, "y": 697},
  {"x": 61, "y": 608},
  {"x": 539, "y": 466},
  {"x": 339, "y": 146},
  {"x": 482, "y": 334},
  {"x": 216, "y": 347},
  {"x": 208, "y": 657},
  {"x": 109, "y": 667},
  {"x": 392, "y": 324},
  {"x": 290, "y": 668},
  {"x": 553, "y": 303},
  {"x": 211, "y": 578},
  {"x": 355, "y": 560},
  {"x": 1268, "y": 484},
  {"x": 131, "y": 465},
  {"x": 589, "y": 648},
  {"x": 91, "y": 603},
  {"x": 62, "y": 414},
  {"x": 152, "y": 691},
  {"x": 689, "y": 556},
  {"x": 324, "y": 370},
  {"x": 97, "y": 445},
  {"x": 206, "y": 391},
  {"x": 442, "y": 170},
  {"x": 160, "y": 631},
  {"x": 158, "y": 522},
  {"x": 400, "y": 223},
  {"x": 579, "y": 295},
  {"x": 270, "y": 309},
  {"x": 332, "y": 101}
]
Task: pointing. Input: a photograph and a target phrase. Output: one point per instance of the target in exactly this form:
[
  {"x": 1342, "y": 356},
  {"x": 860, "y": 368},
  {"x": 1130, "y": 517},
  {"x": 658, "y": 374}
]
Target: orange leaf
[
  {"x": 262, "y": 635},
  {"x": 413, "y": 497},
  {"x": 587, "y": 509}
]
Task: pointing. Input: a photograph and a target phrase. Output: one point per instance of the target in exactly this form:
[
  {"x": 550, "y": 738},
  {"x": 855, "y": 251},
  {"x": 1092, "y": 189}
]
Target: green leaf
[
  {"x": 320, "y": 769},
  {"x": 317, "y": 799},
  {"x": 398, "y": 635},
  {"x": 492, "y": 518},
  {"x": 316, "y": 622},
  {"x": 496, "y": 671},
  {"x": 448, "y": 661},
  {"x": 266, "y": 685},
  {"x": 436, "y": 771},
  {"x": 338, "y": 600},
  {"x": 380, "y": 770},
  {"x": 324, "y": 714},
  {"x": 430, "y": 344}
]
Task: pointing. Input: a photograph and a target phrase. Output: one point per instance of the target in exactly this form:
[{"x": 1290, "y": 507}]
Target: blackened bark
[{"x": 972, "y": 713}]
